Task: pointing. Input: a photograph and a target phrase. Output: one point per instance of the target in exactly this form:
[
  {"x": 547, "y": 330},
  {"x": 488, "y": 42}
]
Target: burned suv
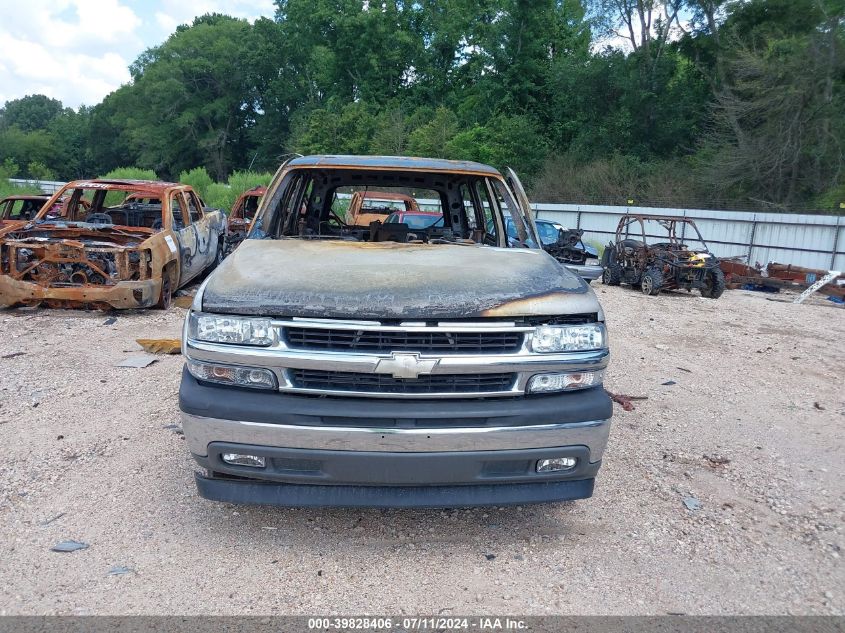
[
  {"x": 654, "y": 253},
  {"x": 330, "y": 364}
]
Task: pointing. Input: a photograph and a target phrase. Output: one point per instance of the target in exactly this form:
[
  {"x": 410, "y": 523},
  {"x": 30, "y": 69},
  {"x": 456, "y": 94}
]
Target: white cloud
[
  {"x": 171, "y": 13},
  {"x": 72, "y": 50},
  {"x": 79, "y": 50}
]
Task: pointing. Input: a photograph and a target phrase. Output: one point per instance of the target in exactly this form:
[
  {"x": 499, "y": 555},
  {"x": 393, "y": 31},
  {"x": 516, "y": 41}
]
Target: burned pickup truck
[
  {"x": 110, "y": 249},
  {"x": 330, "y": 364},
  {"x": 241, "y": 215}
]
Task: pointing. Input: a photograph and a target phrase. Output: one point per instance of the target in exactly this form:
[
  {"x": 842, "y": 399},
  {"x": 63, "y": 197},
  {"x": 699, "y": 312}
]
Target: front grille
[
  {"x": 380, "y": 383},
  {"x": 385, "y": 341}
]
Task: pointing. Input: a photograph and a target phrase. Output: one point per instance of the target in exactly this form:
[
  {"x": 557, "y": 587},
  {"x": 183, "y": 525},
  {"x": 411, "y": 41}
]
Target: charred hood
[
  {"x": 104, "y": 236},
  {"x": 387, "y": 280}
]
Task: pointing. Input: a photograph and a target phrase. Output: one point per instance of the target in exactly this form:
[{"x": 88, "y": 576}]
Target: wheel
[
  {"x": 166, "y": 298},
  {"x": 612, "y": 273},
  {"x": 714, "y": 284},
  {"x": 651, "y": 282}
]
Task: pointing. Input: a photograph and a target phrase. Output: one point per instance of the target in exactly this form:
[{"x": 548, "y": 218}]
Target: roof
[
  {"x": 382, "y": 195},
  {"x": 153, "y": 186},
  {"x": 256, "y": 191},
  {"x": 397, "y": 163},
  {"x": 30, "y": 196}
]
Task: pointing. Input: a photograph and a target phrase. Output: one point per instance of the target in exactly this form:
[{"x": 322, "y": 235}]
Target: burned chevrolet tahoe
[{"x": 332, "y": 364}]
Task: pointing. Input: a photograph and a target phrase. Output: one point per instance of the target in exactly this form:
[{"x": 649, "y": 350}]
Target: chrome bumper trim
[
  {"x": 201, "y": 431},
  {"x": 366, "y": 363}
]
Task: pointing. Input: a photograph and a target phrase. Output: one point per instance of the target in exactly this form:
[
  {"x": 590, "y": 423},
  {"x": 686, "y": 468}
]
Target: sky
[{"x": 78, "y": 51}]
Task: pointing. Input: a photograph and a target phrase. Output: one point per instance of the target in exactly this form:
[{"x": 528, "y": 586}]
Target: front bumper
[
  {"x": 122, "y": 295},
  {"x": 356, "y": 452},
  {"x": 589, "y": 273}
]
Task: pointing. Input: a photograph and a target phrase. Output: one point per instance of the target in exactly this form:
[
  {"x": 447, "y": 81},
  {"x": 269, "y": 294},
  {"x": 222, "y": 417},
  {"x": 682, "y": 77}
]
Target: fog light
[
  {"x": 236, "y": 459},
  {"x": 556, "y": 464}
]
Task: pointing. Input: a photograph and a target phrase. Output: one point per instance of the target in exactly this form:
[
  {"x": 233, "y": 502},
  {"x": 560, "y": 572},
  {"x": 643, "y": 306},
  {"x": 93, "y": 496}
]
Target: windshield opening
[
  {"x": 388, "y": 206},
  {"x": 106, "y": 205}
]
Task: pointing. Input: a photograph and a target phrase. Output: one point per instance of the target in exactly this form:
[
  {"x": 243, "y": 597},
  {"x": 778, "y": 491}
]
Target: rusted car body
[
  {"x": 775, "y": 277},
  {"x": 446, "y": 364},
  {"x": 241, "y": 215},
  {"x": 115, "y": 253},
  {"x": 650, "y": 251},
  {"x": 17, "y": 210},
  {"x": 376, "y": 206}
]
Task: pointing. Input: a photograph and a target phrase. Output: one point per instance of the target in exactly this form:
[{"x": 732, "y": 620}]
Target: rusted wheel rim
[{"x": 646, "y": 285}]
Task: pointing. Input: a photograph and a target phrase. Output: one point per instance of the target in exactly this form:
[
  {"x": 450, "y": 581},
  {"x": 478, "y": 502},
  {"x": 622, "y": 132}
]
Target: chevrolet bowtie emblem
[{"x": 405, "y": 366}]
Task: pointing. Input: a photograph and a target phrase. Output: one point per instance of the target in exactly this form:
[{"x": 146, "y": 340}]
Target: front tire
[
  {"x": 651, "y": 282},
  {"x": 166, "y": 298},
  {"x": 714, "y": 284}
]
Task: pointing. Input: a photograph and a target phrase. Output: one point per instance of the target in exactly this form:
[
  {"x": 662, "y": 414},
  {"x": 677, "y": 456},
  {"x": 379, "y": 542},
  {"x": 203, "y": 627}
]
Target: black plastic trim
[
  {"x": 271, "y": 407},
  {"x": 317, "y": 496}
]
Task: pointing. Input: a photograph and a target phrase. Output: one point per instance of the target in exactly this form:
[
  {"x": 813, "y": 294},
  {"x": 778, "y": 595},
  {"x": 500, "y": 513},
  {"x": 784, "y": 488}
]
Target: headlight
[
  {"x": 214, "y": 328},
  {"x": 569, "y": 338},
  {"x": 255, "y": 377},
  {"x": 591, "y": 261},
  {"x": 549, "y": 383}
]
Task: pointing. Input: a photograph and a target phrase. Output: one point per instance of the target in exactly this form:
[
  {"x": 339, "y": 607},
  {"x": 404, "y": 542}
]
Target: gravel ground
[{"x": 751, "y": 428}]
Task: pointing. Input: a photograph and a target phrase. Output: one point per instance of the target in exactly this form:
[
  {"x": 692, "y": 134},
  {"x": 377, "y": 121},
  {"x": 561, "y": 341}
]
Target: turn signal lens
[
  {"x": 549, "y": 383},
  {"x": 255, "y": 377}
]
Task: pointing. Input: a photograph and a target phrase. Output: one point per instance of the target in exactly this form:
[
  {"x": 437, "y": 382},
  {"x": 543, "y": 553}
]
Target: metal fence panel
[
  {"x": 814, "y": 241},
  {"x": 47, "y": 186}
]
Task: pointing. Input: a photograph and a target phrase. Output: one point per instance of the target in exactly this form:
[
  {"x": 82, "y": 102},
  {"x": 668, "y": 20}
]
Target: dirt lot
[{"x": 752, "y": 429}]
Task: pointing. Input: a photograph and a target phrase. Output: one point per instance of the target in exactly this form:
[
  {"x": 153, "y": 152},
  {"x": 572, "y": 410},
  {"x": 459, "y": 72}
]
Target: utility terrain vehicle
[{"x": 650, "y": 251}]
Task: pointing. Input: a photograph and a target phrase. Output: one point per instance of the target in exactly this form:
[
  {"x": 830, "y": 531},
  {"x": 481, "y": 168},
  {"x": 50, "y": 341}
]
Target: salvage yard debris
[
  {"x": 137, "y": 362},
  {"x": 68, "y": 546},
  {"x": 625, "y": 401},
  {"x": 774, "y": 277},
  {"x": 160, "y": 345},
  {"x": 692, "y": 503}
]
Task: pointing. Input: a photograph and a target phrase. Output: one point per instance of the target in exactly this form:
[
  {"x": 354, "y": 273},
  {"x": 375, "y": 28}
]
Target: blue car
[{"x": 566, "y": 246}]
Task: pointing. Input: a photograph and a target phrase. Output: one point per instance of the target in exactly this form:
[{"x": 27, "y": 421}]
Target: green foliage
[
  {"x": 33, "y": 112},
  {"x": 223, "y": 196},
  {"x": 130, "y": 173},
  {"x": 39, "y": 171},
  {"x": 9, "y": 169},
  {"x": 745, "y": 107},
  {"x": 240, "y": 181},
  {"x": 832, "y": 199},
  {"x": 9, "y": 189},
  {"x": 220, "y": 196},
  {"x": 198, "y": 178},
  {"x": 506, "y": 141}
]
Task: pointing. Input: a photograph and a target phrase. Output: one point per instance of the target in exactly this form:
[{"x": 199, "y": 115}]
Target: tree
[
  {"x": 191, "y": 102},
  {"x": 30, "y": 113}
]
